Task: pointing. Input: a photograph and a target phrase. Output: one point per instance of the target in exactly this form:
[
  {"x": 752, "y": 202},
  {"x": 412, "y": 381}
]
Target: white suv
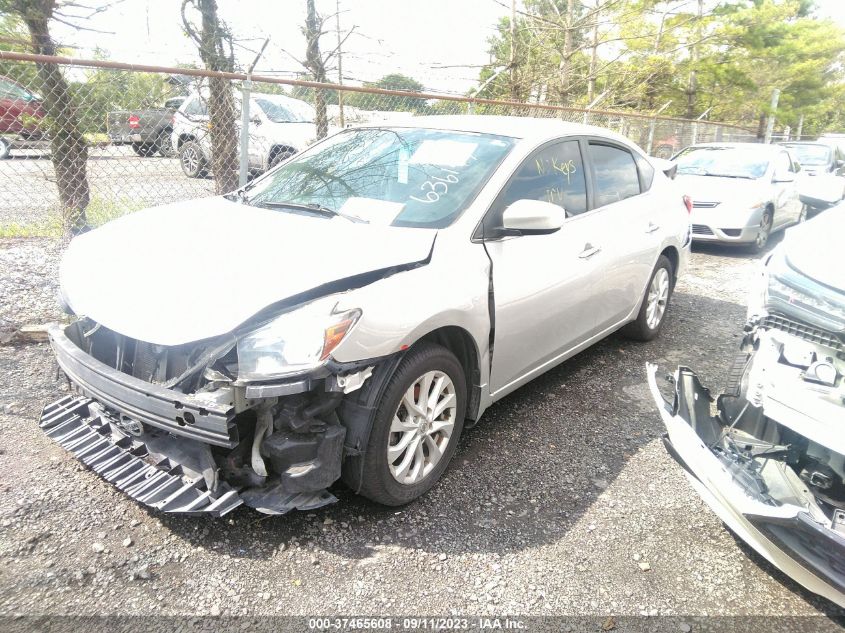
[{"x": 279, "y": 127}]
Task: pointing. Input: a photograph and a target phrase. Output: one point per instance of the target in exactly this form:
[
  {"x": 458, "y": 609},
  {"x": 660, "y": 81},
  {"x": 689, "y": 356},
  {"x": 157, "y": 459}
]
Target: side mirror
[
  {"x": 783, "y": 176},
  {"x": 255, "y": 120},
  {"x": 839, "y": 162},
  {"x": 533, "y": 217}
]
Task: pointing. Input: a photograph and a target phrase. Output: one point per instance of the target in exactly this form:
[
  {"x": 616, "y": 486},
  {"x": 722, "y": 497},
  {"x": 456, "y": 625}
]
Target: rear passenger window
[
  {"x": 554, "y": 174},
  {"x": 615, "y": 174}
]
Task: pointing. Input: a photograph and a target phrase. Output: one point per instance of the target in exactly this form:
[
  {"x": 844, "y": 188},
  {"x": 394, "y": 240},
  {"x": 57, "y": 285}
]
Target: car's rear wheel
[
  {"x": 416, "y": 429},
  {"x": 653, "y": 309},
  {"x": 5, "y": 149},
  {"x": 192, "y": 160},
  {"x": 164, "y": 144},
  {"x": 144, "y": 149},
  {"x": 764, "y": 230}
]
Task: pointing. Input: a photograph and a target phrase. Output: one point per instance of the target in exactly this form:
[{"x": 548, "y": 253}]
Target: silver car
[
  {"x": 741, "y": 192},
  {"x": 348, "y": 313}
]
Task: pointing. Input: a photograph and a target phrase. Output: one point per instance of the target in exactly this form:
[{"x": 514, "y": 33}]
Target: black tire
[
  {"x": 192, "y": 160},
  {"x": 373, "y": 478},
  {"x": 5, "y": 149},
  {"x": 640, "y": 329},
  {"x": 144, "y": 149},
  {"x": 764, "y": 231},
  {"x": 164, "y": 145},
  {"x": 278, "y": 156}
]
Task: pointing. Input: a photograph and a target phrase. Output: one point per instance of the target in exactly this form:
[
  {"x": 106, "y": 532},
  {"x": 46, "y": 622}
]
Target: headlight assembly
[
  {"x": 798, "y": 296},
  {"x": 294, "y": 342}
]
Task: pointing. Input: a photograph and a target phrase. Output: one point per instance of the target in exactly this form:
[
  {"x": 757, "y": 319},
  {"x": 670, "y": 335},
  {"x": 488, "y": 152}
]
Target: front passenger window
[
  {"x": 554, "y": 174},
  {"x": 615, "y": 174}
]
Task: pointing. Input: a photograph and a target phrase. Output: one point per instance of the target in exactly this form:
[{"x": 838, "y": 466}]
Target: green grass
[{"x": 99, "y": 212}]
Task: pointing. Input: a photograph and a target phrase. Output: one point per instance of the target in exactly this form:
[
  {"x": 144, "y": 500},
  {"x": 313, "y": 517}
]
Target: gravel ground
[{"x": 554, "y": 504}]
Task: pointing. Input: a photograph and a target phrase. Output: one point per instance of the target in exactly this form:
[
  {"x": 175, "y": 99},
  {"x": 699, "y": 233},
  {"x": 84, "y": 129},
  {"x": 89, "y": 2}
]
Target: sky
[
  {"x": 414, "y": 37},
  {"x": 440, "y": 43}
]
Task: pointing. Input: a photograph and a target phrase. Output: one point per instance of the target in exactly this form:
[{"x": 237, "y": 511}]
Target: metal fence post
[
  {"x": 800, "y": 129},
  {"x": 246, "y": 86}
]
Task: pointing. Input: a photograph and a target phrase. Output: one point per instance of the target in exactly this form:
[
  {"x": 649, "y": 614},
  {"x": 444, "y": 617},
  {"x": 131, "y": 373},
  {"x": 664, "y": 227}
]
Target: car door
[
  {"x": 541, "y": 283},
  {"x": 631, "y": 219},
  {"x": 787, "y": 202}
]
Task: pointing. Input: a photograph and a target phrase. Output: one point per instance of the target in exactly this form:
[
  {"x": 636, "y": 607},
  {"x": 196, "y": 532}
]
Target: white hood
[
  {"x": 188, "y": 271},
  {"x": 814, "y": 247},
  {"x": 299, "y": 135}
]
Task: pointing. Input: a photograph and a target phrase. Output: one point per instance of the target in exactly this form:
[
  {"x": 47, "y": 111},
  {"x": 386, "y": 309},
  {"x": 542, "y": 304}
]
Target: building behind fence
[{"x": 127, "y": 116}]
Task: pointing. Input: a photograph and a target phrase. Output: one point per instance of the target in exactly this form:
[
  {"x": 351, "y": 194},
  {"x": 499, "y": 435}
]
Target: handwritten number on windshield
[{"x": 436, "y": 187}]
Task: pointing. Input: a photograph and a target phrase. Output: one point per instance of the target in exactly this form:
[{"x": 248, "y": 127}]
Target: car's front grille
[
  {"x": 700, "y": 229},
  {"x": 698, "y": 204},
  {"x": 802, "y": 331}
]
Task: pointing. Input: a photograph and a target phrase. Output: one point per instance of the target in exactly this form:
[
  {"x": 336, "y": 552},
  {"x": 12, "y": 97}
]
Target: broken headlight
[
  {"x": 294, "y": 342},
  {"x": 794, "y": 294}
]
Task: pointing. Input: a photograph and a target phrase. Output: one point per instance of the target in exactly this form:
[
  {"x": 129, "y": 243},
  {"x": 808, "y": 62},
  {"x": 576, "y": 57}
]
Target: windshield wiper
[{"x": 316, "y": 209}]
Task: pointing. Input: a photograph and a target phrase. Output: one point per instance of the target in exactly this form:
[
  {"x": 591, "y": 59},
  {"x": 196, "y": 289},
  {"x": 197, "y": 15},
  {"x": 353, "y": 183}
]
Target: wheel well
[
  {"x": 281, "y": 149},
  {"x": 183, "y": 138},
  {"x": 771, "y": 208},
  {"x": 458, "y": 341},
  {"x": 671, "y": 253}
]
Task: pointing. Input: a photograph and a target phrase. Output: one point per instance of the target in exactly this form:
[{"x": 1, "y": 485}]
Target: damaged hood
[
  {"x": 813, "y": 247},
  {"x": 192, "y": 270}
]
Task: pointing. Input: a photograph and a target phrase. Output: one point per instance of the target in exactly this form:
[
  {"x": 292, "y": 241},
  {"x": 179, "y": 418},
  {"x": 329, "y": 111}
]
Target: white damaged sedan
[{"x": 345, "y": 315}]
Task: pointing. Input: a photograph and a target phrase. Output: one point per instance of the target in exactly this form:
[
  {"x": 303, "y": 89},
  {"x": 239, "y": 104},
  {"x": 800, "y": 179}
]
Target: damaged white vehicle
[
  {"x": 768, "y": 455},
  {"x": 343, "y": 315}
]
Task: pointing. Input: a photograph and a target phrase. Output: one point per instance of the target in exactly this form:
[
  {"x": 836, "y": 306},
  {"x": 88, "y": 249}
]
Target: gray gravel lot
[{"x": 551, "y": 506}]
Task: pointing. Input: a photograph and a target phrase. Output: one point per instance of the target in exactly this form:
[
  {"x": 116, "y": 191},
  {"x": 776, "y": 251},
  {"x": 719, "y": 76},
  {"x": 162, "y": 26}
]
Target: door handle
[
  {"x": 652, "y": 227},
  {"x": 589, "y": 251}
]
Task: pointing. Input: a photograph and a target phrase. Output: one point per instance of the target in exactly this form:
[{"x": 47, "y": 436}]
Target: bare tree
[
  {"x": 68, "y": 150},
  {"x": 214, "y": 42},
  {"x": 316, "y": 64}
]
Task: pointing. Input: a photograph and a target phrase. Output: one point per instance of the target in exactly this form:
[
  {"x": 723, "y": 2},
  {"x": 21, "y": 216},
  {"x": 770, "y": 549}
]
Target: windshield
[
  {"x": 728, "y": 162},
  {"x": 286, "y": 112},
  {"x": 400, "y": 177},
  {"x": 811, "y": 154}
]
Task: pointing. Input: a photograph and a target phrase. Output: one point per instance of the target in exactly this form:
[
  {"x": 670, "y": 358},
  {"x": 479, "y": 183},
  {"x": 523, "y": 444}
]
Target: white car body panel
[{"x": 130, "y": 275}]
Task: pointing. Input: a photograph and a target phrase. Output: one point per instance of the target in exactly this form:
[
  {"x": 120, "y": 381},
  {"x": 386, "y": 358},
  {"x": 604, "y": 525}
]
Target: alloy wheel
[
  {"x": 422, "y": 427},
  {"x": 190, "y": 160},
  {"x": 658, "y": 297}
]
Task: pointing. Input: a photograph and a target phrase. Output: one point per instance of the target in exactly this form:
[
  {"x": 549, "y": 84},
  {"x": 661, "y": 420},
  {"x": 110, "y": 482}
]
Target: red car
[{"x": 20, "y": 115}]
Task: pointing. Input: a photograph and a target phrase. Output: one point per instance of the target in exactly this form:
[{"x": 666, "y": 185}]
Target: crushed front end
[
  {"x": 768, "y": 454},
  {"x": 178, "y": 428}
]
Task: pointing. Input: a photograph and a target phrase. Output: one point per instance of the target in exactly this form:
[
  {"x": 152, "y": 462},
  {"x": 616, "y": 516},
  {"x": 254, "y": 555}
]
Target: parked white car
[
  {"x": 741, "y": 192},
  {"x": 344, "y": 314},
  {"x": 821, "y": 181},
  {"x": 279, "y": 127}
]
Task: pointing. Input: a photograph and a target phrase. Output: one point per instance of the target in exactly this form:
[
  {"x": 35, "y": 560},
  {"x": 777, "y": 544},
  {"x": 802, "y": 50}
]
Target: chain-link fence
[{"x": 84, "y": 141}]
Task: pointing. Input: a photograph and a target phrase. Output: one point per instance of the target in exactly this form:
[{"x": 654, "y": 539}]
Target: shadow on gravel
[{"x": 525, "y": 475}]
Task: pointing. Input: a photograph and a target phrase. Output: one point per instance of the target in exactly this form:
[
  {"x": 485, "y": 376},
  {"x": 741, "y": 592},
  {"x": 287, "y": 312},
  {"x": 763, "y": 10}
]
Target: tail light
[
  {"x": 688, "y": 203},
  {"x": 134, "y": 121}
]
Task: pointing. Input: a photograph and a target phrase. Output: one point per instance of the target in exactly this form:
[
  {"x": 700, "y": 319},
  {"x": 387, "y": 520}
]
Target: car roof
[{"x": 527, "y": 128}]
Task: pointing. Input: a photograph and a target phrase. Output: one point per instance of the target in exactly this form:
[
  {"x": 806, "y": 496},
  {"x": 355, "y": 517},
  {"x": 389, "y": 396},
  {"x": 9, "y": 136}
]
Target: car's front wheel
[
  {"x": 416, "y": 429},
  {"x": 192, "y": 159}
]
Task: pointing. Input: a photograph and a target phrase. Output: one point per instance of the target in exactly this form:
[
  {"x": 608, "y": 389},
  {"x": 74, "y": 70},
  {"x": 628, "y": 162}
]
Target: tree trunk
[
  {"x": 692, "y": 84},
  {"x": 594, "y": 56},
  {"x": 68, "y": 150},
  {"x": 314, "y": 63},
  {"x": 221, "y": 101},
  {"x": 566, "y": 57}
]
